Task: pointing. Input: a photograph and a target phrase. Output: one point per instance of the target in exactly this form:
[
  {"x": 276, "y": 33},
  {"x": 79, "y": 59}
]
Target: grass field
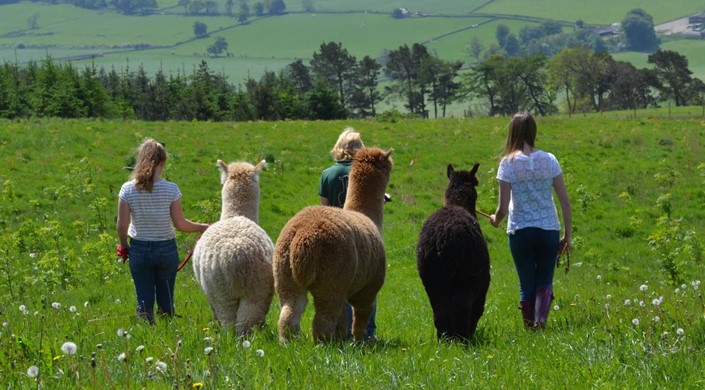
[
  {"x": 638, "y": 203},
  {"x": 271, "y": 43}
]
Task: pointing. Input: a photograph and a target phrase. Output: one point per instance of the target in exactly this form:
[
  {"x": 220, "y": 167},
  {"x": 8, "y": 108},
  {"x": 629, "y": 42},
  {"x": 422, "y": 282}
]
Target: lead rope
[{"x": 188, "y": 257}]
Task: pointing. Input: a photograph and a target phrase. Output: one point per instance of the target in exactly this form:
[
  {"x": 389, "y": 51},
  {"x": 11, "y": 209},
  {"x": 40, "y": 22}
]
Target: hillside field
[
  {"x": 628, "y": 314},
  {"x": 166, "y": 40}
]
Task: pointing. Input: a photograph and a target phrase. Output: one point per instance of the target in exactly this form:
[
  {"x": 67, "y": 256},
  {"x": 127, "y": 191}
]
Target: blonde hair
[
  {"x": 522, "y": 130},
  {"x": 149, "y": 156},
  {"x": 349, "y": 142}
]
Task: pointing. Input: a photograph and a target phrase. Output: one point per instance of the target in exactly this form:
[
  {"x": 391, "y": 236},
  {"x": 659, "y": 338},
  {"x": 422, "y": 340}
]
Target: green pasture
[
  {"x": 629, "y": 314},
  {"x": 692, "y": 49},
  {"x": 595, "y": 12}
]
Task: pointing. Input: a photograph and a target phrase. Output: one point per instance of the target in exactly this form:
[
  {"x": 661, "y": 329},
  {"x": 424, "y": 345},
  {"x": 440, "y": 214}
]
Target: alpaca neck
[
  {"x": 245, "y": 209},
  {"x": 371, "y": 205}
]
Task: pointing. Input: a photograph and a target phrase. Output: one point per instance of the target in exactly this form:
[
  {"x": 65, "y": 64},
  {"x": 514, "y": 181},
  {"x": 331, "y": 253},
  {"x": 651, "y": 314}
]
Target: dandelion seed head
[
  {"x": 609, "y": 296},
  {"x": 160, "y": 366},
  {"x": 36, "y": 313},
  {"x": 208, "y": 339},
  {"x": 246, "y": 344},
  {"x": 678, "y": 291},
  {"x": 607, "y": 305},
  {"x": 657, "y": 319},
  {"x": 208, "y": 350},
  {"x": 680, "y": 331},
  {"x": 260, "y": 353},
  {"x": 599, "y": 277},
  {"x": 122, "y": 357},
  {"x": 684, "y": 286},
  {"x": 23, "y": 308},
  {"x": 32, "y": 255},
  {"x": 656, "y": 302},
  {"x": 556, "y": 307},
  {"x": 635, "y": 322},
  {"x": 120, "y": 332},
  {"x": 149, "y": 360},
  {"x": 56, "y": 305},
  {"x": 68, "y": 348},
  {"x": 73, "y": 309},
  {"x": 139, "y": 348},
  {"x": 85, "y": 304},
  {"x": 643, "y": 287},
  {"x": 33, "y": 371},
  {"x": 5, "y": 324},
  {"x": 118, "y": 301},
  {"x": 627, "y": 302}
]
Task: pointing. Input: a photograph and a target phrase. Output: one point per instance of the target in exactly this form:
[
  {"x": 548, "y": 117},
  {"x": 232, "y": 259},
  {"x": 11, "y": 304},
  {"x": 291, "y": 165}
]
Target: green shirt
[{"x": 334, "y": 182}]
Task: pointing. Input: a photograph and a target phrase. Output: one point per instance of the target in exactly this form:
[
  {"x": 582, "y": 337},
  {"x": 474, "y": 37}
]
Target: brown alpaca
[{"x": 336, "y": 254}]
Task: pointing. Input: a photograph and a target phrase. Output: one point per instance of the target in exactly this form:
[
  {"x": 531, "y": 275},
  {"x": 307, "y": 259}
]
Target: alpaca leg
[
  {"x": 252, "y": 313},
  {"x": 327, "y": 320},
  {"x": 292, "y": 308},
  {"x": 225, "y": 310},
  {"x": 363, "y": 305},
  {"x": 478, "y": 308}
]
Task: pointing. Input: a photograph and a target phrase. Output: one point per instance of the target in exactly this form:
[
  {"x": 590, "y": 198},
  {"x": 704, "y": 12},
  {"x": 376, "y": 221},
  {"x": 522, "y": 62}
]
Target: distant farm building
[{"x": 695, "y": 19}]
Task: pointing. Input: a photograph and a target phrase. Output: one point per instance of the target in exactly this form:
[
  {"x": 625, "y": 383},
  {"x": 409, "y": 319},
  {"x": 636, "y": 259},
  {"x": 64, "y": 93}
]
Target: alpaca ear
[
  {"x": 223, "y": 171},
  {"x": 473, "y": 171},
  {"x": 450, "y": 170},
  {"x": 388, "y": 153},
  {"x": 259, "y": 167}
]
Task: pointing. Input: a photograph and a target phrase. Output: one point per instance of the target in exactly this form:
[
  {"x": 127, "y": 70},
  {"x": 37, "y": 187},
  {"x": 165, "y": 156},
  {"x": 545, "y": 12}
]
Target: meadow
[
  {"x": 107, "y": 38},
  {"x": 628, "y": 314}
]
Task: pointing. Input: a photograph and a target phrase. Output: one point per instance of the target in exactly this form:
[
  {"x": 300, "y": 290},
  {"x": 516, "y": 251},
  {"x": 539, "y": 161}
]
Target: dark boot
[
  {"x": 527, "y": 312},
  {"x": 544, "y": 297}
]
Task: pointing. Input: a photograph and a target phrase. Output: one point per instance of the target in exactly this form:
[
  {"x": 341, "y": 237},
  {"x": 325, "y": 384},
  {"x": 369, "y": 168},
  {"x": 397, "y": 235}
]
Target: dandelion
[
  {"x": 32, "y": 255},
  {"x": 607, "y": 305},
  {"x": 5, "y": 324},
  {"x": 149, "y": 360},
  {"x": 99, "y": 346},
  {"x": 599, "y": 277},
  {"x": 23, "y": 309},
  {"x": 68, "y": 348},
  {"x": 678, "y": 291},
  {"x": 556, "y": 307},
  {"x": 695, "y": 284},
  {"x": 657, "y": 319},
  {"x": 208, "y": 350},
  {"x": 656, "y": 302},
  {"x": 609, "y": 296},
  {"x": 117, "y": 301},
  {"x": 643, "y": 287},
  {"x": 635, "y": 322},
  {"x": 161, "y": 366},
  {"x": 139, "y": 348},
  {"x": 33, "y": 371},
  {"x": 197, "y": 385},
  {"x": 56, "y": 305},
  {"x": 627, "y": 302},
  {"x": 208, "y": 339},
  {"x": 246, "y": 344},
  {"x": 85, "y": 304},
  {"x": 683, "y": 286},
  {"x": 122, "y": 357},
  {"x": 260, "y": 353},
  {"x": 120, "y": 332},
  {"x": 56, "y": 358},
  {"x": 72, "y": 309},
  {"x": 680, "y": 331}
]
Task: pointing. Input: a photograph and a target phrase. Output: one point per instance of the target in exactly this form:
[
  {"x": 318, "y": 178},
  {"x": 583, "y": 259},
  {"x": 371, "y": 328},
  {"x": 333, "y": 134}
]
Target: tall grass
[{"x": 628, "y": 314}]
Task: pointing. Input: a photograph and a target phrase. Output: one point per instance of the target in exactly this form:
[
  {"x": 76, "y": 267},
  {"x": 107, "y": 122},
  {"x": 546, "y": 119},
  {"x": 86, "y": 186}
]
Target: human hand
[
  {"x": 123, "y": 252},
  {"x": 493, "y": 220}
]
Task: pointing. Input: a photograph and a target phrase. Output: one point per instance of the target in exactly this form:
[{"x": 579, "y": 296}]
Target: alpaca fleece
[
  {"x": 232, "y": 260},
  {"x": 453, "y": 261},
  {"x": 336, "y": 255}
]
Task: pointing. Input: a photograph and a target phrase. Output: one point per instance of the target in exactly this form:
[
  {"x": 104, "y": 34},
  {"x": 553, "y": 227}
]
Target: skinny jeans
[
  {"x": 153, "y": 265},
  {"x": 534, "y": 251}
]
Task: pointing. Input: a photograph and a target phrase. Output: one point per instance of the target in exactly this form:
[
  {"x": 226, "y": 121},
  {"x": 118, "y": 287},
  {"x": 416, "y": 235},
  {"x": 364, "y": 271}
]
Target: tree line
[{"x": 334, "y": 84}]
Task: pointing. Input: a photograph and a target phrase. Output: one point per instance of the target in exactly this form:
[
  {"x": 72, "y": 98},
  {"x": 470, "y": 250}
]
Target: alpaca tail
[{"x": 304, "y": 255}]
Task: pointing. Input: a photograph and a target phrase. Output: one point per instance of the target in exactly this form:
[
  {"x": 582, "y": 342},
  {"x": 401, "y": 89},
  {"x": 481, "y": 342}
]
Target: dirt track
[{"x": 673, "y": 27}]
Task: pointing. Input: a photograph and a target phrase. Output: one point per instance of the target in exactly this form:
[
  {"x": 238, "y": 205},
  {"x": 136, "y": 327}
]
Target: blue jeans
[
  {"x": 371, "y": 325},
  {"x": 534, "y": 251},
  {"x": 153, "y": 265}
]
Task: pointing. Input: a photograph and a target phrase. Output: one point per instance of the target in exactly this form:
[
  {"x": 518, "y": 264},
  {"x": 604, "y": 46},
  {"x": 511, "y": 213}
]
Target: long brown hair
[
  {"x": 149, "y": 156},
  {"x": 522, "y": 130}
]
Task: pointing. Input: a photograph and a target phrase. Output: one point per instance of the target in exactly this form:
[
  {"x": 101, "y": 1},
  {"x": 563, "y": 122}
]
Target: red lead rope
[{"x": 188, "y": 257}]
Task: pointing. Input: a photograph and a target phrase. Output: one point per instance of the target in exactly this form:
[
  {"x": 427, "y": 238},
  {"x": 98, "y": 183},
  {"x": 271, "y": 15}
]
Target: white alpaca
[{"x": 232, "y": 261}]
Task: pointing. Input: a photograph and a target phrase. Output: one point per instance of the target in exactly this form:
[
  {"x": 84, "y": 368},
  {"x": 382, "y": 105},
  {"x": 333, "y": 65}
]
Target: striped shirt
[{"x": 150, "y": 212}]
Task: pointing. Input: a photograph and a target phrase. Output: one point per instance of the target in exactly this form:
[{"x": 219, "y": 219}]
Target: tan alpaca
[
  {"x": 232, "y": 261},
  {"x": 336, "y": 254}
]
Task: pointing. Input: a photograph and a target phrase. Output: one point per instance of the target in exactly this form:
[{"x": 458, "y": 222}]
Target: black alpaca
[{"x": 453, "y": 261}]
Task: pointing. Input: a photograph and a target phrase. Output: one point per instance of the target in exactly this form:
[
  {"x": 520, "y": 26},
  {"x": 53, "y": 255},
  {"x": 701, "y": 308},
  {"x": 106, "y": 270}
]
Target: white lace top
[{"x": 531, "y": 202}]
